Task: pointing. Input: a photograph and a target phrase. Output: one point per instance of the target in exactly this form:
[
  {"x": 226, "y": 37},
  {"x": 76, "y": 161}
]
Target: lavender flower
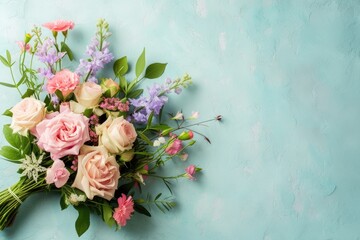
[
  {"x": 98, "y": 54},
  {"x": 47, "y": 53},
  {"x": 153, "y": 103}
]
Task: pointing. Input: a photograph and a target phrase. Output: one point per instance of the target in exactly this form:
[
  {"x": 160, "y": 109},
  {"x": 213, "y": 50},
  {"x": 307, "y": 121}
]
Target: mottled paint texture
[{"x": 284, "y": 164}]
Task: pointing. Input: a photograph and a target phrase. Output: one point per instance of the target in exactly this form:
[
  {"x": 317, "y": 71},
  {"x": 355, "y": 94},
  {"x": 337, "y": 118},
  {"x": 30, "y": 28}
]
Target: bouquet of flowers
[{"x": 94, "y": 140}]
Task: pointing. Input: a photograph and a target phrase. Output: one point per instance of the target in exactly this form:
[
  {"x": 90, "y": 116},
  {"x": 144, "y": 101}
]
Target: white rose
[
  {"x": 88, "y": 94},
  {"x": 26, "y": 115},
  {"x": 117, "y": 135}
]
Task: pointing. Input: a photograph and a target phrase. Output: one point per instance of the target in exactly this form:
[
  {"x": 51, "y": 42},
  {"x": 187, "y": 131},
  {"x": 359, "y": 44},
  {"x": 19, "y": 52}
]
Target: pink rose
[
  {"x": 65, "y": 81},
  {"x": 117, "y": 135},
  {"x": 59, "y": 25},
  {"x": 57, "y": 174},
  {"x": 62, "y": 133},
  {"x": 98, "y": 172},
  {"x": 174, "y": 147},
  {"x": 26, "y": 115}
]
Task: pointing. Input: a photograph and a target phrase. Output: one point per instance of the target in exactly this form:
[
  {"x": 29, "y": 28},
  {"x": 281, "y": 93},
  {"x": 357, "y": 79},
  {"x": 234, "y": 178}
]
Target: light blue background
[{"x": 285, "y": 74}]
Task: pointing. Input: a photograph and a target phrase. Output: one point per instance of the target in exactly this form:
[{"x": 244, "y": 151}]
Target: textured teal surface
[{"x": 284, "y": 164}]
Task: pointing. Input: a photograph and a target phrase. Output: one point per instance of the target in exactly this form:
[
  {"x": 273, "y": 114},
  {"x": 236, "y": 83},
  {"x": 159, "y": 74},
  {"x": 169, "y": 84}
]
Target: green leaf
[
  {"x": 145, "y": 138},
  {"x": 63, "y": 204},
  {"x": 155, "y": 70},
  {"x": 8, "y": 56},
  {"x": 87, "y": 113},
  {"x": 160, "y": 127},
  {"x": 11, "y": 154},
  {"x": 28, "y": 93},
  {"x": 142, "y": 210},
  {"x": 66, "y": 48},
  {"x": 157, "y": 196},
  {"x": 26, "y": 146},
  {"x": 135, "y": 93},
  {"x": 83, "y": 221},
  {"x": 108, "y": 214},
  {"x": 150, "y": 119},
  {"x": 140, "y": 64},
  {"x": 59, "y": 95},
  {"x": 8, "y": 85},
  {"x": 120, "y": 66},
  {"x": 132, "y": 84},
  {"x": 23, "y": 78},
  {"x": 12, "y": 138},
  {"x": 4, "y": 61},
  {"x": 8, "y": 113},
  {"x": 123, "y": 83}
]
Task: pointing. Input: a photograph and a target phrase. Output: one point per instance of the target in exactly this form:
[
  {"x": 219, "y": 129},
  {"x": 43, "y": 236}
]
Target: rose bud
[
  {"x": 186, "y": 135},
  {"x": 109, "y": 85}
]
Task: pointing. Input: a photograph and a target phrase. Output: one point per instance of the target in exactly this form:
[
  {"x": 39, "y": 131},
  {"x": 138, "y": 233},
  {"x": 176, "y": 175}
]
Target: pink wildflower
[
  {"x": 94, "y": 120},
  {"x": 114, "y": 104},
  {"x": 174, "y": 147},
  {"x": 190, "y": 172},
  {"x": 94, "y": 138},
  {"x": 124, "y": 210},
  {"x": 59, "y": 25},
  {"x": 184, "y": 156},
  {"x": 74, "y": 165},
  {"x": 23, "y": 47}
]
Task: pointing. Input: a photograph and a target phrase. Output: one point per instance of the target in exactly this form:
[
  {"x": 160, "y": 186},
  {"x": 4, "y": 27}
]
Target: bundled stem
[{"x": 11, "y": 198}]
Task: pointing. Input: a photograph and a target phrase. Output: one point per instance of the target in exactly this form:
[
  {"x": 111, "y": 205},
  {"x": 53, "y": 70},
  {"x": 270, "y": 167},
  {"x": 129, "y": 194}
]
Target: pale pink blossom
[
  {"x": 174, "y": 147},
  {"x": 59, "y": 25},
  {"x": 62, "y": 133},
  {"x": 97, "y": 172},
  {"x": 184, "y": 156},
  {"x": 57, "y": 174},
  {"x": 116, "y": 134},
  {"x": 194, "y": 115},
  {"x": 190, "y": 172},
  {"x": 65, "y": 81},
  {"x": 23, "y": 47},
  {"x": 124, "y": 210},
  {"x": 178, "y": 116},
  {"x": 26, "y": 115}
]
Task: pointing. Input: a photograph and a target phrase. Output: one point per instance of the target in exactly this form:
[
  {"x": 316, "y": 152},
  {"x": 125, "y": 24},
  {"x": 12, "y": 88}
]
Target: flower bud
[
  {"x": 109, "y": 85},
  {"x": 186, "y": 135},
  {"x": 54, "y": 33},
  {"x": 127, "y": 156},
  {"x": 27, "y": 38}
]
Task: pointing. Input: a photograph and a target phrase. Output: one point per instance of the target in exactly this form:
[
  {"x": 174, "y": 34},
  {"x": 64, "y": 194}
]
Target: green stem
[{"x": 13, "y": 78}]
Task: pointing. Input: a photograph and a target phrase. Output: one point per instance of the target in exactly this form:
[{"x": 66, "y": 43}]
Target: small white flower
[
  {"x": 159, "y": 141},
  {"x": 156, "y": 143},
  {"x": 75, "y": 199},
  {"x": 194, "y": 115},
  {"x": 162, "y": 140},
  {"x": 31, "y": 166},
  {"x": 178, "y": 116}
]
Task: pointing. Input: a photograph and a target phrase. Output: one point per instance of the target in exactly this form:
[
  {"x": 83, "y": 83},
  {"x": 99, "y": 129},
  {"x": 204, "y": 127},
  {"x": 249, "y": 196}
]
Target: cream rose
[
  {"x": 98, "y": 172},
  {"x": 117, "y": 135},
  {"x": 88, "y": 94},
  {"x": 26, "y": 115}
]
